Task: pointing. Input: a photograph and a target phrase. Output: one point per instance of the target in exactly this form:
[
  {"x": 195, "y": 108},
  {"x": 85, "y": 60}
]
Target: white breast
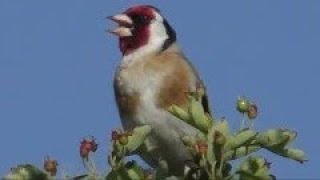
[{"x": 135, "y": 79}]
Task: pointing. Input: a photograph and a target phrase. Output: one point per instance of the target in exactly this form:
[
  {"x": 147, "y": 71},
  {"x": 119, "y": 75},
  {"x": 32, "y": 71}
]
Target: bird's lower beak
[{"x": 124, "y": 25}]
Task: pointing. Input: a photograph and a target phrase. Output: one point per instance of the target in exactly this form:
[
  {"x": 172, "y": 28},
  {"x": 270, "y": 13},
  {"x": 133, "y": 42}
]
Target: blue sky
[{"x": 57, "y": 65}]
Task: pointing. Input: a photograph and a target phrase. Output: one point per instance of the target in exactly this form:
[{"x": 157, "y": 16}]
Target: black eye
[{"x": 140, "y": 19}]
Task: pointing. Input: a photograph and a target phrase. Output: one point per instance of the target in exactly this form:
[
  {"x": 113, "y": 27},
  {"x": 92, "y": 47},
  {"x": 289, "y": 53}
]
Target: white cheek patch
[{"x": 158, "y": 35}]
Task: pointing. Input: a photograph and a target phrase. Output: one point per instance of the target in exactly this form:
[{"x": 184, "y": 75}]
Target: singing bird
[{"x": 153, "y": 75}]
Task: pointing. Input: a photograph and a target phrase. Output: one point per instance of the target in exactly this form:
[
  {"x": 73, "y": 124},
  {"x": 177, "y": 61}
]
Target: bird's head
[{"x": 142, "y": 28}]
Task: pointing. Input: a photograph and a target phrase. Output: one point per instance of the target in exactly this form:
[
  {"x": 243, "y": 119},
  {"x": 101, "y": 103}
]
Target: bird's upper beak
[{"x": 124, "y": 25}]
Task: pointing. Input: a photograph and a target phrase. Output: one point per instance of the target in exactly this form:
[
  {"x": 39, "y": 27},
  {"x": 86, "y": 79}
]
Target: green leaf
[
  {"x": 241, "y": 139},
  {"x": 130, "y": 171},
  {"x": 289, "y": 135},
  {"x": 295, "y": 154},
  {"x": 139, "y": 135},
  {"x": 117, "y": 175},
  {"x": 254, "y": 168},
  {"x": 210, "y": 155},
  {"x": 26, "y": 172},
  {"x": 221, "y": 126},
  {"x": 276, "y": 137},
  {"x": 180, "y": 113},
  {"x": 200, "y": 120},
  {"x": 134, "y": 171},
  {"x": 240, "y": 152}
]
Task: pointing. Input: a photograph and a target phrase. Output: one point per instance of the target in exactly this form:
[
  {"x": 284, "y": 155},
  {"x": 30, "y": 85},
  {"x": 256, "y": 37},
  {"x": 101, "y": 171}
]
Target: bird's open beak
[{"x": 124, "y": 25}]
